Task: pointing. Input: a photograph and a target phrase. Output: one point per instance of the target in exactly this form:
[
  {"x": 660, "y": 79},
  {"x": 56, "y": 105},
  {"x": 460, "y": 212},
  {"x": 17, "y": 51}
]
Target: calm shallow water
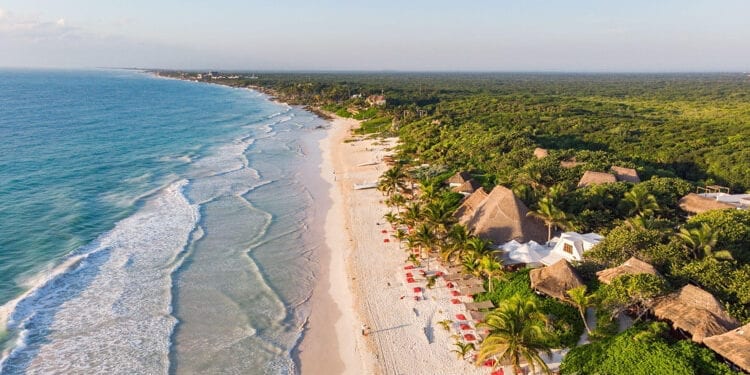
[{"x": 149, "y": 225}]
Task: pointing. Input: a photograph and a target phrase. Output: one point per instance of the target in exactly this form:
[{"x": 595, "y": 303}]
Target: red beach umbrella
[{"x": 460, "y": 316}]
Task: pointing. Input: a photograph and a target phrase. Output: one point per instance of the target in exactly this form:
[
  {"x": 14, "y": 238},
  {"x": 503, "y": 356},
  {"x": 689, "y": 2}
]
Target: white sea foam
[{"x": 109, "y": 308}]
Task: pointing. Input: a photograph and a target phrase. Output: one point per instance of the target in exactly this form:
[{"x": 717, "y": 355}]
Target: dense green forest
[
  {"x": 678, "y": 131},
  {"x": 695, "y": 126}
]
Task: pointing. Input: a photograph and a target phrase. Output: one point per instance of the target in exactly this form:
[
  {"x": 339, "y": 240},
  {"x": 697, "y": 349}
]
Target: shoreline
[{"x": 333, "y": 316}]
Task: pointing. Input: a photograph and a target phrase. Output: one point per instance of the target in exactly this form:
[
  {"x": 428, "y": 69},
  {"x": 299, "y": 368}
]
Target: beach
[{"x": 364, "y": 283}]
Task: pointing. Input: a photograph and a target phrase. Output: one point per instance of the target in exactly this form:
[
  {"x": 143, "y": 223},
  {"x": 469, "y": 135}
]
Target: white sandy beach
[{"x": 367, "y": 283}]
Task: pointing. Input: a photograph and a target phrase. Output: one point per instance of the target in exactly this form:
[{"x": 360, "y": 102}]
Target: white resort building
[{"x": 570, "y": 246}]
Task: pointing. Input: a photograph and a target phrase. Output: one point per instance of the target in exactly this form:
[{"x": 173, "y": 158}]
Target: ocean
[{"x": 151, "y": 225}]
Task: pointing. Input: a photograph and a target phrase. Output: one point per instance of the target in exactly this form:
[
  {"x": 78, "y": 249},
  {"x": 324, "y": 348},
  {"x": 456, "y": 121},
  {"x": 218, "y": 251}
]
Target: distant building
[
  {"x": 695, "y": 204},
  {"x": 540, "y": 153},
  {"x": 595, "y": 178},
  {"x": 376, "y": 100},
  {"x": 626, "y": 174}
]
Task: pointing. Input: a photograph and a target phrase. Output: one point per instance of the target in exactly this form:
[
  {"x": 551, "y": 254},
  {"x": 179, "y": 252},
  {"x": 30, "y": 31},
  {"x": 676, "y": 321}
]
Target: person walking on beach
[{"x": 364, "y": 330}]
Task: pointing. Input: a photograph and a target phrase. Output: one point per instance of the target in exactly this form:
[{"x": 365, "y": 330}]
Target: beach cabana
[
  {"x": 476, "y": 306},
  {"x": 540, "y": 153},
  {"x": 499, "y": 217},
  {"x": 555, "y": 280},
  {"x": 466, "y": 188},
  {"x": 594, "y": 178},
  {"x": 625, "y": 174},
  {"x": 632, "y": 266},
  {"x": 470, "y": 291},
  {"x": 695, "y": 311},
  {"x": 695, "y": 204},
  {"x": 734, "y": 346},
  {"x": 458, "y": 179}
]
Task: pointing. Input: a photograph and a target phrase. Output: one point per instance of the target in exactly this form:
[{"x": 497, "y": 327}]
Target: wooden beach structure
[
  {"x": 555, "y": 280},
  {"x": 595, "y": 178},
  {"x": 625, "y": 174},
  {"x": 695, "y": 204},
  {"x": 694, "y": 311},
  {"x": 499, "y": 217},
  {"x": 632, "y": 266},
  {"x": 734, "y": 346}
]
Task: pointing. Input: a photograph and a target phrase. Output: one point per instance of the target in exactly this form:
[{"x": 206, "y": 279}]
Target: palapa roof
[
  {"x": 499, "y": 217},
  {"x": 632, "y": 266},
  {"x": 458, "y": 178},
  {"x": 593, "y": 178},
  {"x": 541, "y": 153},
  {"x": 471, "y": 203},
  {"x": 696, "y": 311},
  {"x": 626, "y": 174},
  {"x": 570, "y": 164},
  {"x": 467, "y": 187},
  {"x": 476, "y": 306},
  {"x": 555, "y": 280},
  {"x": 733, "y": 345},
  {"x": 696, "y": 204}
]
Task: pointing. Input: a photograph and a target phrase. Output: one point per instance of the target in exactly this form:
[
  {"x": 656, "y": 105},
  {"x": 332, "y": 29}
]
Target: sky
[{"x": 406, "y": 35}]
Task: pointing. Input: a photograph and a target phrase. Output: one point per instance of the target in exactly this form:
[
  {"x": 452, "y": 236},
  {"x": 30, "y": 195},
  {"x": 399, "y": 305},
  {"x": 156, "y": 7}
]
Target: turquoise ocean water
[{"x": 150, "y": 225}]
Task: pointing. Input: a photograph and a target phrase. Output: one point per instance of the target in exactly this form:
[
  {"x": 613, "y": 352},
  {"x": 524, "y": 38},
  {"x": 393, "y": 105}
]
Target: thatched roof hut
[
  {"x": 592, "y": 178},
  {"x": 733, "y": 345},
  {"x": 555, "y": 280},
  {"x": 626, "y": 174},
  {"x": 458, "y": 179},
  {"x": 696, "y": 204},
  {"x": 541, "y": 153},
  {"x": 499, "y": 217},
  {"x": 632, "y": 266},
  {"x": 570, "y": 164},
  {"x": 467, "y": 187},
  {"x": 471, "y": 204},
  {"x": 695, "y": 311}
]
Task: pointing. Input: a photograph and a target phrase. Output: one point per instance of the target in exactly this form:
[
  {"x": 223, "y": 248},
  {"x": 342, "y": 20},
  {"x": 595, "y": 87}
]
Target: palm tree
[
  {"x": 391, "y": 218},
  {"x": 478, "y": 246},
  {"x": 462, "y": 349},
  {"x": 397, "y": 200},
  {"x": 470, "y": 261},
  {"x": 517, "y": 331},
  {"x": 440, "y": 216},
  {"x": 641, "y": 202},
  {"x": 428, "y": 193},
  {"x": 425, "y": 238},
  {"x": 392, "y": 180},
  {"x": 701, "y": 242},
  {"x": 551, "y": 215},
  {"x": 413, "y": 214},
  {"x": 491, "y": 267},
  {"x": 458, "y": 235},
  {"x": 582, "y": 301}
]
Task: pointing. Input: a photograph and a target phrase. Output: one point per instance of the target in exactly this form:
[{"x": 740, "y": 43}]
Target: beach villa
[
  {"x": 733, "y": 345},
  {"x": 499, "y": 217},
  {"x": 713, "y": 197},
  {"x": 696, "y": 312},
  {"x": 618, "y": 174},
  {"x": 555, "y": 280},
  {"x": 570, "y": 246}
]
